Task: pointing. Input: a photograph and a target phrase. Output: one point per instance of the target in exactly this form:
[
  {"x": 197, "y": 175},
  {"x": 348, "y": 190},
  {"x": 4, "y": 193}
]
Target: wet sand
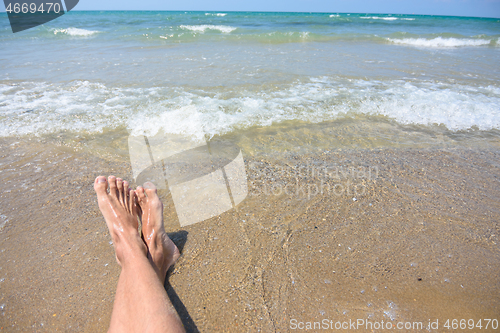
[{"x": 418, "y": 241}]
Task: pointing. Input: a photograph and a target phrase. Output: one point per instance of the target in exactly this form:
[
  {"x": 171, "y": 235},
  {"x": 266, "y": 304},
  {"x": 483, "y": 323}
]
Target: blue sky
[{"x": 481, "y": 8}]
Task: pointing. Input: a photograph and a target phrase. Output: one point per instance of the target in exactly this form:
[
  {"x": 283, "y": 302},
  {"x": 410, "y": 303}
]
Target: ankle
[{"x": 128, "y": 248}]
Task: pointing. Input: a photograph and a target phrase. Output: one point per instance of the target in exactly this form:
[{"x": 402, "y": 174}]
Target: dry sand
[{"x": 419, "y": 241}]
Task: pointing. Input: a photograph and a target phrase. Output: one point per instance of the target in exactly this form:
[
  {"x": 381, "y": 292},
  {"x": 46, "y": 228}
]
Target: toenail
[{"x": 101, "y": 180}]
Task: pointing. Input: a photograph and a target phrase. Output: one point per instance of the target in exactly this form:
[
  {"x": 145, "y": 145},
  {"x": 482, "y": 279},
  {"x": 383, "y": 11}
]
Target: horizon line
[{"x": 268, "y": 11}]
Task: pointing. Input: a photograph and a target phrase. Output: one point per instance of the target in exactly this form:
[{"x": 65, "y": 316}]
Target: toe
[
  {"x": 130, "y": 200},
  {"x": 126, "y": 196},
  {"x": 141, "y": 196},
  {"x": 126, "y": 190},
  {"x": 150, "y": 189},
  {"x": 134, "y": 208},
  {"x": 112, "y": 186},
  {"x": 119, "y": 187},
  {"x": 101, "y": 186}
]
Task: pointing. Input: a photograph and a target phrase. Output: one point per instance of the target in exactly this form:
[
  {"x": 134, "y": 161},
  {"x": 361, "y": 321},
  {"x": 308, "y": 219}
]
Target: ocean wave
[
  {"x": 440, "y": 42},
  {"x": 216, "y": 14},
  {"x": 37, "y": 108},
  {"x": 286, "y": 37},
  {"x": 379, "y": 18},
  {"x": 202, "y": 28},
  {"x": 75, "y": 32},
  {"x": 335, "y": 15}
]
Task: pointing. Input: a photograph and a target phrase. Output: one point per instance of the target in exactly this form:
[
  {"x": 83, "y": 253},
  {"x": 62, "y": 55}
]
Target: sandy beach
[{"x": 392, "y": 234}]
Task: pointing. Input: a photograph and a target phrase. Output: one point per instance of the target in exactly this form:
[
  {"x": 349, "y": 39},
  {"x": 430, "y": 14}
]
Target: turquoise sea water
[{"x": 225, "y": 72}]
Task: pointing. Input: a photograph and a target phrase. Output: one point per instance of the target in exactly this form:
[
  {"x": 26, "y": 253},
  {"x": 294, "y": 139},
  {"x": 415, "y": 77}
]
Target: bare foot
[
  {"x": 120, "y": 211},
  {"x": 162, "y": 252}
]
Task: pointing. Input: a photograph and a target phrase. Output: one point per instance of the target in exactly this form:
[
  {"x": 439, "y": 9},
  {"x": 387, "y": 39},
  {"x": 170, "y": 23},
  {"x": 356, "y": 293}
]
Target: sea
[{"x": 281, "y": 81}]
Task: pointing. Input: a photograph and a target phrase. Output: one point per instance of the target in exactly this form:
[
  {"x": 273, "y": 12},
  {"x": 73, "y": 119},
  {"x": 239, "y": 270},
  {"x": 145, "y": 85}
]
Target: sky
[{"x": 480, "y": 8}]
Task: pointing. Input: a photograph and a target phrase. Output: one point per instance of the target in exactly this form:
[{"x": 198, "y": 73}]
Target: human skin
[{"x": 141, "y": 302}]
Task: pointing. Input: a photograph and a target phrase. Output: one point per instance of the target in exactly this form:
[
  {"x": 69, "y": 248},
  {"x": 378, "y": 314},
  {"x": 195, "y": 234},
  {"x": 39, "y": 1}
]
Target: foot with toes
[
  {"x": 122, "y": 209},
  {"x": 162, "y": 252}
]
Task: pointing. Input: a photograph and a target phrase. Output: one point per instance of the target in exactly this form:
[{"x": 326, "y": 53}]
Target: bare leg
[{"x": 141, "y": 302}]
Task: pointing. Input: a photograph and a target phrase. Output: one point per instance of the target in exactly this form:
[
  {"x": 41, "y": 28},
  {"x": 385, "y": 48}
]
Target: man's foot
[
  {"x": 162, "y": 252},
  {"x": 120, "y": 211}
]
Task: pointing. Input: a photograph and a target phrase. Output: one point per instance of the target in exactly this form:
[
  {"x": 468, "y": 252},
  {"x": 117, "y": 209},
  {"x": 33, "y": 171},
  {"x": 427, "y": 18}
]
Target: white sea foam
[
  {"x": 379, "y": 18},
  {"x": 75, "y": 32},
  {"x": 216, "y": 14},
  {"x": 440, "y": 42},
  {"x": 202, "y": 28},
  {"x": 335, "y": 15},
  {"x": 407, "y": 19},
  {"x": 36, "y": 108}
]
